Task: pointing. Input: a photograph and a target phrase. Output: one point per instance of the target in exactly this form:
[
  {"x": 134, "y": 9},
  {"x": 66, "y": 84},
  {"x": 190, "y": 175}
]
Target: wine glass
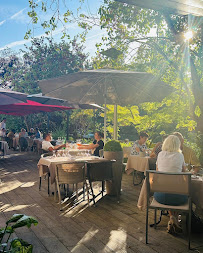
[{"x": 54, "y": 153}]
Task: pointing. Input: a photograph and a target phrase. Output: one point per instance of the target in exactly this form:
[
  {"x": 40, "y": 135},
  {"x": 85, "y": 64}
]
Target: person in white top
[
  {"x": 46, "y": 144},
  {"x": 171, "y": 159}
]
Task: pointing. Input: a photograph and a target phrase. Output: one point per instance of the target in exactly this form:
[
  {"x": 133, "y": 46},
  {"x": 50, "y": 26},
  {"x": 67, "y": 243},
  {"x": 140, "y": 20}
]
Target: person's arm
[
  {"x": 90, "y": 146},
  {"x": 153, "y": 154},
  {"x": 183, "y": 168},
  {"x": 56, "y": 147}
]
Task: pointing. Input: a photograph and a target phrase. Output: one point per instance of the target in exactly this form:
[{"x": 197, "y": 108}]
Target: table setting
[
  {"x": 138, "y": 162},
  {"x": 63, "y": 156}
]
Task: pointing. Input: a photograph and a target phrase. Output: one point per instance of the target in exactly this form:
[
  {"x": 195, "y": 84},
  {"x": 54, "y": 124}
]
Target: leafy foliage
[
  {"x": 167, "y": 54},
  {"x": 113, "y": 146},
  {"x": 16, "y": 245}
]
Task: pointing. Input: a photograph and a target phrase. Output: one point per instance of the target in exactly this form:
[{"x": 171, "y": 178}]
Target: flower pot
[{"x": 112, "y": 188}]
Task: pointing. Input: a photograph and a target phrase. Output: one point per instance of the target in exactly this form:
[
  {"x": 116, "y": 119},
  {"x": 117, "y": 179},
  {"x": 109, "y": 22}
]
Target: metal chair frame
[
  {"x": 165, "y": 207},
  {"x": 93, "y": 175}
]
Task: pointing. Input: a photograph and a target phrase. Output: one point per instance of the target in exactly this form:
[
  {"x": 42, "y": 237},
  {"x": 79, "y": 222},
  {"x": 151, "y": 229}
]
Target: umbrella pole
[
  {"x": 115, "y": 132},
  {"x": 105, "y": 122}
]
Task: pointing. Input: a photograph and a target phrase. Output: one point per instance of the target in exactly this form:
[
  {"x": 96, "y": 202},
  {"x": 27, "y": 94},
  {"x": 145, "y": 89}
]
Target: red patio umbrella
[{"x": 22, "y": 109}]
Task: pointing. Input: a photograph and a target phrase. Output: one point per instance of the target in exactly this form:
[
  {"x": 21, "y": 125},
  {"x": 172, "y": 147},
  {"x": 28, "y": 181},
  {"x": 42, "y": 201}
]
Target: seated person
[
  {"x": 31, "y": 133},
  {"x": 189, "y": 154},
  {"x": 97, "y": 144},
  {"x": 23, "y": 133},
  {"x": 171, "y": 159},
  {"x": 46, "y": 144},
  {"x": 22, "y": 139},
  {"x": 10, "y": 137},
  {"x": 139, "y": 145},
  {"x": 37, "y": 133}
]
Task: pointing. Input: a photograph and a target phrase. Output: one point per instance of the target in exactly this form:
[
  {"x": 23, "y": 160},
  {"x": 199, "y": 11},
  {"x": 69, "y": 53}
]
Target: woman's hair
[
  {"x": 143, "y": 134},
  {"x": 100, "y": 134},
  {"x": 171, "y": 144},
  {"x": 45, "y": 135},
  {"x": 179, "y": 135}
]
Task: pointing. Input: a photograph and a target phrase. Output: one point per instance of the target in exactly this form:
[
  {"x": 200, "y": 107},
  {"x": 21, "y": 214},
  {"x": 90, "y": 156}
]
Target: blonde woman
[{"x": 171, "y": 159}]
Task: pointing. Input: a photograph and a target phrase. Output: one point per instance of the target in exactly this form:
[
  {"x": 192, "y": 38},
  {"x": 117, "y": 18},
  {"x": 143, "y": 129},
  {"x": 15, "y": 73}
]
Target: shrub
[{"x": 113, "y": 146}]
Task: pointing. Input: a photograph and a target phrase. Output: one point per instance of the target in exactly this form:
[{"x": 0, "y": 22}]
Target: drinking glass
[{"x": 54, "y": 153}]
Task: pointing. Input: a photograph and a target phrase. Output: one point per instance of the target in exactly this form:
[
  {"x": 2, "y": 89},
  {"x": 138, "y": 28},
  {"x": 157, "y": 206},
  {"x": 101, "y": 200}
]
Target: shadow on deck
[{"x": 109, "y": 227}]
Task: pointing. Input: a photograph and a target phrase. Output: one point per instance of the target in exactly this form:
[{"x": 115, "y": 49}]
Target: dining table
[
  {"x": 16, "y": 142},
  {"x": 138, "y": 163},
  {"x": 50, "y": 163}
]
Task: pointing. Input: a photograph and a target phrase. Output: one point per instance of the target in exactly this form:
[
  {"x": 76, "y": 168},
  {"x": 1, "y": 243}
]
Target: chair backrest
[
  {"x": 126, "y": 152},
  {"x": 174, "y": 183},
  {"x": 99, "y": 171},
  {"x": 70, "y": 173}
]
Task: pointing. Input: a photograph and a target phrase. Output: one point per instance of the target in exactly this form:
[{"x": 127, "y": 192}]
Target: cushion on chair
[{"x": 155, "y": 204}]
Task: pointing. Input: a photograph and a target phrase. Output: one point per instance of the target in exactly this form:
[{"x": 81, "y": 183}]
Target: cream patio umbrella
[{"x": 106, "y": 86}]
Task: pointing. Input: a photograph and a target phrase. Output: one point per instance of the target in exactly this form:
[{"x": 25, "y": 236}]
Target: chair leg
[
  {"x": 59, "y": 193},
  {"x": 87, "y": 189},
  {"x": 40, "y": 183},
  {"x": 146, "y": 226},
  {"x": 134, "y": 177},
  {"x": 155, "y": 218},
  {"x": 92, "y": 192},
  {"x": 189, "y": 230},
  {"x": 83, "y": 191},
  {"x": 48, "y": 185},
  {"x": 76, "y": 188},
  {"x": 103, "y": 188},
  {"x": 55, "y": 191}
]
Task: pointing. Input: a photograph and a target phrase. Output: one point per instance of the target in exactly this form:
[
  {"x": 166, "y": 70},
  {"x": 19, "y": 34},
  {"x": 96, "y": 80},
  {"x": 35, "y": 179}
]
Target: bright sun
[{"x": 188, "y": 35}]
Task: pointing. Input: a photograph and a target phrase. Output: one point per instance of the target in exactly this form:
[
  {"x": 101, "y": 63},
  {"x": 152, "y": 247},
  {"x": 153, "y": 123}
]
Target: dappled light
[
  {"x": 28, "y": 184},
  {"x": 101, "y": 117},
  {"x": 117, "y": 240}
]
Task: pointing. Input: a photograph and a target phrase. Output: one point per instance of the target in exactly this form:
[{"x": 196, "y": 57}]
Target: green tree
[
  {"x": 167, "y": 54},
  {"x": 43, "y": 59}
]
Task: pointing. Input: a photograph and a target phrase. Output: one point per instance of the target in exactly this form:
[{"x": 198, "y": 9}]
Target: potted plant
[
  {"x": 114, "y": 151},
  {"x": 16, "y": 245}
]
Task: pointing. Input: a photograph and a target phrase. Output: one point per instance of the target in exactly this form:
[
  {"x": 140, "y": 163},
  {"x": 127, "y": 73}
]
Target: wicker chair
[{"x": 71, "y": 173}]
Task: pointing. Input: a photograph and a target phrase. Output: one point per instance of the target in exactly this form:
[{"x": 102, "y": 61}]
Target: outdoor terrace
[{"x": 109, "y": 227}]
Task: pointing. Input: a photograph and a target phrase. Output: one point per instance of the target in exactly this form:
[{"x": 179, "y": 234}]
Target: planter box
[{"x": 113, "y": 187}]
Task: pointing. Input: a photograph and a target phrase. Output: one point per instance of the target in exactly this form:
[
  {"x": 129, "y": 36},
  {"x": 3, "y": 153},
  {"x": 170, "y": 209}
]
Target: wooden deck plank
[{"x": 109, "y": 227}]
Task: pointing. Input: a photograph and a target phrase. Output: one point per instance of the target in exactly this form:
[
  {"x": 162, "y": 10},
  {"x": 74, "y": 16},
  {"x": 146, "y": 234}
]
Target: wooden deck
[{"x": 109, "y": 227}]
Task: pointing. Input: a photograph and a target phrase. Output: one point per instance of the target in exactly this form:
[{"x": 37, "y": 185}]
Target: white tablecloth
[
  {"x": 136, "y": 162},
  {"x": 4, "y": 147}
]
